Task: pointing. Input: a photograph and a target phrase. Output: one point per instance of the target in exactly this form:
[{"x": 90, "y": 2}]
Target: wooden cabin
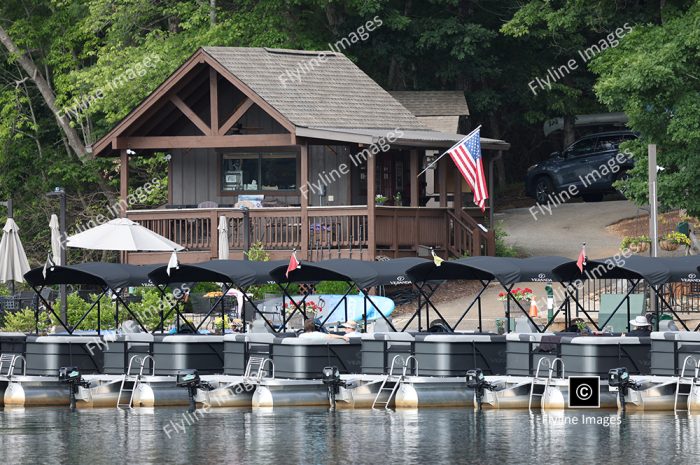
[{"x": 292, "y": 148}]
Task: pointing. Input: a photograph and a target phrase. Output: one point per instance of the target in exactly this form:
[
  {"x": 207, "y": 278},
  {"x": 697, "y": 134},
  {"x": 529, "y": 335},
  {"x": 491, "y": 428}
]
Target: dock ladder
[
  {"x": 684, "y": 380},
  {"x": 10, "y": 361},
  {"x": 134, "y": 379},
  {"x": 261, "y": 366},
  {"x": 549, "y": 365},
  {"x": 397, "y": 380}
]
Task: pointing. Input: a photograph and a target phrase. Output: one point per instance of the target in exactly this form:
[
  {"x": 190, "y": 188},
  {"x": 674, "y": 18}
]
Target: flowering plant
[
  {"x": 519, "y": 294},
  {"x": 310, "y": 308},
  {"x": 676, "y": 237}
]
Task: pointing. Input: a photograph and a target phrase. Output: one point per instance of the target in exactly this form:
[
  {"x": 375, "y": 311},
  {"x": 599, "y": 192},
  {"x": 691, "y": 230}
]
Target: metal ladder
[
  {"x": 391, "y": 378},
  {"x": 538, "y": 381},
  {"x": 258, "y": 364},
  {"x": 134, "y": 379},
  {"x": 10, "y": 360},
  {"x": 684, "y": 380}
]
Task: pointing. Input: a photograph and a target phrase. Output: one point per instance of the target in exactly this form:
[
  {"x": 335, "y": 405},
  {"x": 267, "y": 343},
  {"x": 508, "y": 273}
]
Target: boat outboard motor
[
  {"x": 72, "y": 377},
  {"x": 620, "y": 378},
  {"x": 477, "y": 381},
  {"x": 331, "y": 378},
  {"x": 190, "y": 379}
]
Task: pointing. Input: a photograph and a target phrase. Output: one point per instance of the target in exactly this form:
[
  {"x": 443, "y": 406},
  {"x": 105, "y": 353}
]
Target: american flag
[{"x": 467, "y": 157}]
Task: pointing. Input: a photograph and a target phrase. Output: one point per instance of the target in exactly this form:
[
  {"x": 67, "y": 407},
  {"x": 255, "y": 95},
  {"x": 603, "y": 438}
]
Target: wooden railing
[
  {"x": 406, "y": 231},
  {"x": 332, "y": 231}
]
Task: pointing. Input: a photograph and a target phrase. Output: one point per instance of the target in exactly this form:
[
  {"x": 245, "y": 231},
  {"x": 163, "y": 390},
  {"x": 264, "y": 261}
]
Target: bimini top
[
  {"x": 111, "y": 275},
  {"x": 655, "y": 271},
  {"x": 502, "y": 269},
  {"x": 241, "y": 273},
  {"x": 362, "y": 273}
]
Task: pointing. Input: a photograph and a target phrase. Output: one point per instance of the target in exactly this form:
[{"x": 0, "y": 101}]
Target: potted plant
[
  {"x": 379, "y": 199},
  {"x": 637, "y": 244},
  {"x": 673, "y": 240}
]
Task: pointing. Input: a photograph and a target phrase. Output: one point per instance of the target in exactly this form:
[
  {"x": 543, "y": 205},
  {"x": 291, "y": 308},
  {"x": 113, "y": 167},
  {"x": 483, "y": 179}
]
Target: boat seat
[
  {"x": 309, "y": 342},
  {"x": 457, "y": 338},
  {"x": 676, "y": 336},
  {"x": 527, "y": 337},
  {"x": 605, "y": 340}
]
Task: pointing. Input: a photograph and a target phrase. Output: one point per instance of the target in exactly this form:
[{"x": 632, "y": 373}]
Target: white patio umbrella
[
  {"x": 55, "y": 240},
  {"x": 13, "y": 259},
  {"x": 223, "y": 238},
  {"x": 124, "y": 235}
]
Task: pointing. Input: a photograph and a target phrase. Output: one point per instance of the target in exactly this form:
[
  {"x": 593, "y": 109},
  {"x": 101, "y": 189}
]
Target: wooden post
[
  {"x": 123, "y": 183},
  {"x": 304, "y": 200},
  {"x": 371, "y": 236},
  {"x": 415, "y": 188},
  {"x": 214, "y": 101},
  {"x": 442, "y": 181},
  {"x": 458, "y": 191}
]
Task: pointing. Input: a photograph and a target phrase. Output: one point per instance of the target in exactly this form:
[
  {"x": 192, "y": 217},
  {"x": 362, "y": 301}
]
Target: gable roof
[
  {"x": 315, "y": 91},
  {"x": 433, "y": 102},
  {"x": 321, "y": 92}
]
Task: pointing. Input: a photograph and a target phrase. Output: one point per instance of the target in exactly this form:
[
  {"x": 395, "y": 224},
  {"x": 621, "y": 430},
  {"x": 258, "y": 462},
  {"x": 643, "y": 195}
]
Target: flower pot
[
  {"x": 639, "y": 247},
  {"x": 668, "y": 246}
]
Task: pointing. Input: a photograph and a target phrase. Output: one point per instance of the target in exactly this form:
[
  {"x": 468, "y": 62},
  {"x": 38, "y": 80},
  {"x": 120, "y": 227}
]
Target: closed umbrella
[
  {"x": 13, "y": 259},
  {"x": 55, "y": 240},
  {"x": 124, "y": 235},
  {"x": 223, "y": 238}
]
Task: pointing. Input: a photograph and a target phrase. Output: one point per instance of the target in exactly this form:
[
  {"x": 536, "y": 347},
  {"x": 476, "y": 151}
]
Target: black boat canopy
[
  {"x": 655, "y": 271},
  {"x": 358, "y": 272},
  {"x": 111, "y": 275},
  {"x": 241, "y": 273},
  {"x": 364, "y": 274}
]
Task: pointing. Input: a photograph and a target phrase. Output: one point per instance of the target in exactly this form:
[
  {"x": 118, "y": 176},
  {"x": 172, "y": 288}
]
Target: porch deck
[{"x": 333, "y": 232}]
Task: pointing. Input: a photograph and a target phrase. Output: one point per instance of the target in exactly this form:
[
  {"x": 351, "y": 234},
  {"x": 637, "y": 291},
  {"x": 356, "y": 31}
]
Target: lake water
[{"x": 318, "y": 436}]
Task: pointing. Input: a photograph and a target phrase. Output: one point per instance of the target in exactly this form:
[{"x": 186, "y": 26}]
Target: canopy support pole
[
  {"x": 220, "y": 300},
  {"x": 177, "y": 313},
  {"x": 419, "y": 310},
  {"x": 429, "y": 303},
  {"x": 297, "y": 306},
  {"x": 667, "y": 304},
  {"x": 257, "y": 310},
  {"x": 97, "y": 303},
  {"x": 476, "y": 299},
  {"x": 128, "y": 309},
  {"x": 563, "y": 305},
  {"x": 574, "y": 298},
  {"x": 366, "y": 294},
  {"x": 351, "y": 286},
  {"x": 48, "y": 305},
  {"x": 625, "y": 299},
  {"x": 509, "y": 297}
]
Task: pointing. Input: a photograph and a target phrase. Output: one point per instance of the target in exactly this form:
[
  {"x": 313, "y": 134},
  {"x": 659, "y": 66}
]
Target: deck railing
[{"x": 332, "y": 231}]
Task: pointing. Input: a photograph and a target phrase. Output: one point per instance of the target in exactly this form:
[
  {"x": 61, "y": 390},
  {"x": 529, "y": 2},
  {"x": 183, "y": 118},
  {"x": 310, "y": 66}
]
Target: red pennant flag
[
  {"x": 293, "y": 264},
  {"x": 581, "y": 262}
]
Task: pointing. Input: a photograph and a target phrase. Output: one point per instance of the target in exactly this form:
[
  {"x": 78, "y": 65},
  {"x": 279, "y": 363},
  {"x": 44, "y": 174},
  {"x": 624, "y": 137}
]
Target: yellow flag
[{"x": 437, "y": 260}]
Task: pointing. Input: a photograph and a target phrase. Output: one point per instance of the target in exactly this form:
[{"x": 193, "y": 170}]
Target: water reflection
[{"x": 244, "y": 436}]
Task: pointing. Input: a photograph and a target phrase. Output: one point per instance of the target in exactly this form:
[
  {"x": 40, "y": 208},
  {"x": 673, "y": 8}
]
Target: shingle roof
[
  {"x": 310, "y": 92},
  {"x": 433, "y": 102}
]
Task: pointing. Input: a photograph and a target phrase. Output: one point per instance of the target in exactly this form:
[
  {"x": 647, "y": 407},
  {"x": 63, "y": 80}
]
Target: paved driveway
[{"x": 562, "y": 231}]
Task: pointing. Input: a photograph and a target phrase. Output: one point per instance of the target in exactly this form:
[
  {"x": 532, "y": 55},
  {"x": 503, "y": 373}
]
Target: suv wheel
[{"x": 543, "y": 189}]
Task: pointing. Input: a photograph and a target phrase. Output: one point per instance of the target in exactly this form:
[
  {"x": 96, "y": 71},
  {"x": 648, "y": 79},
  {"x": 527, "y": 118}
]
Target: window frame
[{"x": 258, "y": 155}]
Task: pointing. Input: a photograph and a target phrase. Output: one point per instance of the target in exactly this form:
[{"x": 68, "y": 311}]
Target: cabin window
[{"x": 259, "y": 172}]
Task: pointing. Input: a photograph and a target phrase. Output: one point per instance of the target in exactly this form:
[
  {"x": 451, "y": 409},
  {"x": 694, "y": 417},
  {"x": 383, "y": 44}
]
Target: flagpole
[{"x": 446, "y": 151}]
